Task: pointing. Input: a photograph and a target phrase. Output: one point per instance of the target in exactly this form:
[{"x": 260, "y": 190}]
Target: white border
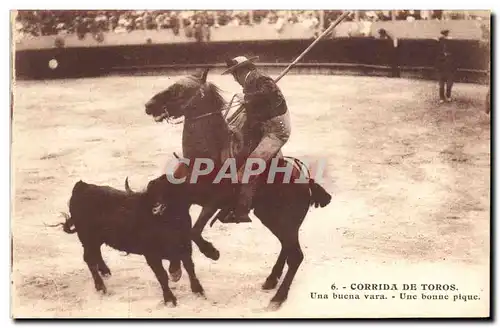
[{"x": 148, "y": 4}]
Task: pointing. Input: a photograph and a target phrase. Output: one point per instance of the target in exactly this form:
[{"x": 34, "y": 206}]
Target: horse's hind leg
[
  {"x": 294, "y": 258},
  {"x": 272, "y": 279},
  {"x": 286, "y": 229}
]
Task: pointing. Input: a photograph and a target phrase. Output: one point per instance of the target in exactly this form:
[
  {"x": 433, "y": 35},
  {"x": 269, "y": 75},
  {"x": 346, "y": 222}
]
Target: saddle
[{"x": 243, "y": 138}]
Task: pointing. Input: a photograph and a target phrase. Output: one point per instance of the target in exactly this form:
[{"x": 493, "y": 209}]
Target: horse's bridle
[{"x": 186, "y": 106}]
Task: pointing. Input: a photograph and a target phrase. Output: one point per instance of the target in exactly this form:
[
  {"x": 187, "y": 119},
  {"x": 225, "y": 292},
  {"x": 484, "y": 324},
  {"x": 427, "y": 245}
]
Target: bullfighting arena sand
[{"x": 410, "y": 180}]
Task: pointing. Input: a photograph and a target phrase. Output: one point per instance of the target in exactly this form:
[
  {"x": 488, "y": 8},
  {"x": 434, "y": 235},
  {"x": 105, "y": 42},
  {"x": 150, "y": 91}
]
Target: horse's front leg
[{"x": 204, "y": 246}]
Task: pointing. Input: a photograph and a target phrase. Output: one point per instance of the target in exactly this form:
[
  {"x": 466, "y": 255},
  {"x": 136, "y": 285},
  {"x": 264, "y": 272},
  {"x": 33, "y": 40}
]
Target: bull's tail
[
  {"x": 319, "y": 196},
  {"x": 68, "y": 225}
]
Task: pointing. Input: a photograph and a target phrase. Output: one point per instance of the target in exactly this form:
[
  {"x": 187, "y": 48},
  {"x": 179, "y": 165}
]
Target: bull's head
[
  {"x": 167, "y": 195},
  {"x": 162, "y": 195},
  {"x": 156, "y": 207}
]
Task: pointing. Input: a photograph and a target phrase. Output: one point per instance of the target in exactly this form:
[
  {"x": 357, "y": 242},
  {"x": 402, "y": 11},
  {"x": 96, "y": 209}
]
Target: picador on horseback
[
  {"x": 267, "y": 115},
  {"x": 261, "y": 131},
  {"x": 207, "y": 135}
]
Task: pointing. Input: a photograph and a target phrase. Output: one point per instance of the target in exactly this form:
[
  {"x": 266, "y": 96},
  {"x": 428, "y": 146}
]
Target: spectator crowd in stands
[
  {"x": 53, "y": 22},
  {"x": 195, "y": 23}
]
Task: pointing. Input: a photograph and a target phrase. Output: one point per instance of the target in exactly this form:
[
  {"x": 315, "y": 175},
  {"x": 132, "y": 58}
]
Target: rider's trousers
[{"x": 275, "y": 133}]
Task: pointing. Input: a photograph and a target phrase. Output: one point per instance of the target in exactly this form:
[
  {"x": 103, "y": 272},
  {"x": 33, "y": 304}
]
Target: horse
[{"x": 281, "y": 207}]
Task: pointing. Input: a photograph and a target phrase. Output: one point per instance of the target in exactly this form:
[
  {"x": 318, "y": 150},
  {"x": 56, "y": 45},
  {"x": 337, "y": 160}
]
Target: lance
[{"x": 289, "y": 67}]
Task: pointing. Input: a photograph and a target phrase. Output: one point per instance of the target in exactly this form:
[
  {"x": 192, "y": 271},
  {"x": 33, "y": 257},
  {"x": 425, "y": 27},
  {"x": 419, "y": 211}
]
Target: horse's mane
[
  {"x": 206, "y": 135},
  {"x": 214, "y": 97}
]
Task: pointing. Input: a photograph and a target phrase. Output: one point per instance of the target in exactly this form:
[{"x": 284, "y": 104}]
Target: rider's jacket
[{"x": 263, "y": 98}]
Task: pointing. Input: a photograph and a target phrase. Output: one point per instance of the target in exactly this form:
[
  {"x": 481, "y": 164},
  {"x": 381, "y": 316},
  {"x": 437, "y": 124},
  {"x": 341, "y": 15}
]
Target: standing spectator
[
  {"x": 129, "y": 22},
  {"x": 174, "y": 22},
  {"x": 280, "y": 24},
  {"x": 149, "y": 23},
  {"x": 411, "y": 16},
  {"x": 393, "y": 53},
  {"x": 206, "y": 32},
  {"x": 48, "y": 23},
  {"x": 80, "y": 28},
  {"x": 293, "y": 19},
  {"x": 385, "y": 15},
  {"x": 61, "y": 28},
  {"x": 189, "y": 29},
  {"x": 425, "y": 14},
  {"x": 138, "y": 23},
  {"x": 365, "y": 23},
  {"x": 311, "y": 22},
  {"x": 437, "y": 14},
  {"x": 198, "y": 29},
  {"x": 271, "y": 17},
  {"x": 235, "y": 21},
  {"x": 402, "y": 14},
  {"x": 445, "y": 67},
  {"x": 113, "y": 22},
  {"x": 102, "y": 21},
  {"x": 160, "y": 21},
  {"x": 121, "y": 25},
  {"x": 20, "y": 30}
]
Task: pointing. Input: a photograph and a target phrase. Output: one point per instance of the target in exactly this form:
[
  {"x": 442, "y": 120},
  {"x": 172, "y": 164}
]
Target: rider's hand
[{"x": 240, "y": 97}]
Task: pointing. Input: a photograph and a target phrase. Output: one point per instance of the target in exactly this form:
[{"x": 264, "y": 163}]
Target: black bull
[{"x": 124, "y": 221}]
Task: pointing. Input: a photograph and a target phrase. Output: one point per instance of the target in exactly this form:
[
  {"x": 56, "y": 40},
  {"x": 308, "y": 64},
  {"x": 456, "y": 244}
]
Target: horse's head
[{"x": 189, "y": 96}]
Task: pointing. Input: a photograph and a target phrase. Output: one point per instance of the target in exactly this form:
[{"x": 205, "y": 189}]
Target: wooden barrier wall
[{"x": 357, "y": 53}]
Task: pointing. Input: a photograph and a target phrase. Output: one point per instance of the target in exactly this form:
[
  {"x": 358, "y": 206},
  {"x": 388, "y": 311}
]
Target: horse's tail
[
  {"x": 67, "y": 224},
  {"x": 319, "y": 196}
]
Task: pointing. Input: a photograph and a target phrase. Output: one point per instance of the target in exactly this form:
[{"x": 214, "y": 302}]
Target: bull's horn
[{"x": 127, "y": 186}]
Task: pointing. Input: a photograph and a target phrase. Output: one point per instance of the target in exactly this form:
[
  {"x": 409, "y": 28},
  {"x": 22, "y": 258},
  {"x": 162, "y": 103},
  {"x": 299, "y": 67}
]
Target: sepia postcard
[{"x": 317, "y": 164}]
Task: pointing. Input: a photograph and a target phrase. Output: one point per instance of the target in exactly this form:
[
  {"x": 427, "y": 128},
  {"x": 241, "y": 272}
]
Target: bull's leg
[
  {"x": 193, "y": 280},
  {"x": 205, "y": 247},
  {"x": 92, "y": 259},
  {"x": 155, "y": 264}
]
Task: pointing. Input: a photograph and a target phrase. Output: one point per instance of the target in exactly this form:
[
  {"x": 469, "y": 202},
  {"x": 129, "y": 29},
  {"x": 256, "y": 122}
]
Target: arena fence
[{"x": 362, "y": 56}]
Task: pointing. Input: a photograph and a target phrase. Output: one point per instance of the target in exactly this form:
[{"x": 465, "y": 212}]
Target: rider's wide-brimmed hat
[{"x": 238, "y": 62}]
